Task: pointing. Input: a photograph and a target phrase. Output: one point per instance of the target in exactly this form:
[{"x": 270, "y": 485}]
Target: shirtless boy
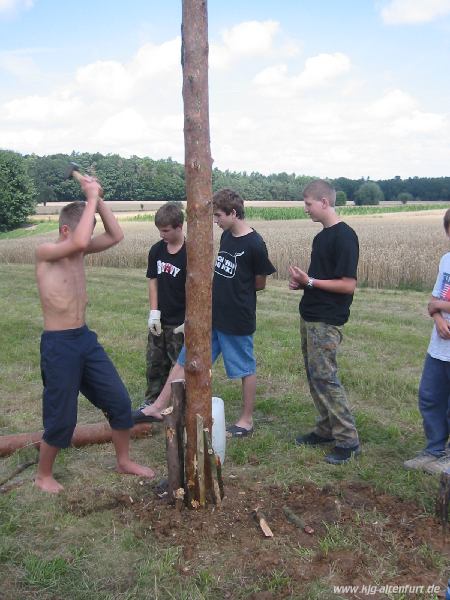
[{"x": 72, "y": 360}]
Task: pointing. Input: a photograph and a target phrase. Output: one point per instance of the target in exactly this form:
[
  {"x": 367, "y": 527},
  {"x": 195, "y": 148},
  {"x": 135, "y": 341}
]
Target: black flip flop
[
  {"x": 140, "y": 417},
  {"x": 238, "y": 432}
]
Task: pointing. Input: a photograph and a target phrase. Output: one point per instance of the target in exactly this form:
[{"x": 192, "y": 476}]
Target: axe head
[{"x": 71, "y": 167}]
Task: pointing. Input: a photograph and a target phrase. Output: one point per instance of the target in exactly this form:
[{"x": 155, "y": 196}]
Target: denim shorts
[
  {"x": 236, "y": 350},
  {"x": 73, "y": 361}
]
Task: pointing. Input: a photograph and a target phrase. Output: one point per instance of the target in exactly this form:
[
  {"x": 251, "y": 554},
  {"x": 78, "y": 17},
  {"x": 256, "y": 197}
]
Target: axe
[{"x": 73, "y": 170}]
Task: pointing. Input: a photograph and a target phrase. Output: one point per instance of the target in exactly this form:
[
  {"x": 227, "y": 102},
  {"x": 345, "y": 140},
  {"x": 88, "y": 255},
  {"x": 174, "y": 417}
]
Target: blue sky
[{"x": 319, "y": 87}]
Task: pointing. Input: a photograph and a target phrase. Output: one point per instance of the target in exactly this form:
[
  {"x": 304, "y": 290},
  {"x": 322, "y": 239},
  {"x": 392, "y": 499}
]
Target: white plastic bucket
[{"x": 218, "y": 428}]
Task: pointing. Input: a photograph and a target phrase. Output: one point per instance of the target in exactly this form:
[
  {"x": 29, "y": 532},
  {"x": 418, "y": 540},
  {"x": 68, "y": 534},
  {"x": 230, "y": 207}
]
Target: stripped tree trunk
[
  {"x": 97, "y": 433},
  {"x": 199, "y": 229}
]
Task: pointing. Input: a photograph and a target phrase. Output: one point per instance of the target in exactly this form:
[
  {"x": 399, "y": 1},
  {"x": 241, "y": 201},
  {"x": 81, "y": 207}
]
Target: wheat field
[{"x": 397, "y": 250}]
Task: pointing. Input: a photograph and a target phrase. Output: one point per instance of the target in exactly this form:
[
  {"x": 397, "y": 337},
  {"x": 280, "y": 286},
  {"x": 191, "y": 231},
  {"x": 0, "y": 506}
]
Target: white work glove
[
  {"x": 179, "y": 329},
  {"x": 154, "y": 322}
]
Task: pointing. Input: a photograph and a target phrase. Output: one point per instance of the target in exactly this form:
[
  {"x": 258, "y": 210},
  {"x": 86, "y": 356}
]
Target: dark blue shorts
[{"x": 73, "y": 361}]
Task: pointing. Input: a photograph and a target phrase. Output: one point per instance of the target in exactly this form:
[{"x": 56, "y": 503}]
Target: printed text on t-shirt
[
  {"x": 165, "y": 267},
  {"x": 226, "y": 264}
]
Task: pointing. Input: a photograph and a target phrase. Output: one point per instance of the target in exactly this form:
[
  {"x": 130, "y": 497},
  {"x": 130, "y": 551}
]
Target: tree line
[
  {"x": 143, "y": 179},
  {"x": 26, "y": 180}
]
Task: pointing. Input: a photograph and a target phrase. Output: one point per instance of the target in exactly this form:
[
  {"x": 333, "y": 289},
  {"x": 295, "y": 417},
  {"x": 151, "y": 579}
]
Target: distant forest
[{"x": 146, "y": 179}]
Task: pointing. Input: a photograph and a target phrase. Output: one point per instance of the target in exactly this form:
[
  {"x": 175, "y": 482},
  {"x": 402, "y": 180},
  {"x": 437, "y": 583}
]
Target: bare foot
[
  {"x": 244, "y": 424},
  {"x": 131, "y": 468},
  {"x": 48, "y": 484},
  {"x": 152, "y": 411}
]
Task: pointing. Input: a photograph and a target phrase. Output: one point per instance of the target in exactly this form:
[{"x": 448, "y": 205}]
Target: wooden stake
[
  {"x": 218, "y": 494},
  {"x": 260, "y": 518},
  {"x": 179, "y": 499},
  {"x": 174, "y": 420},
  {"x": 178, "y": 388},
  {"x": 201, "y": 461},
  {"x": 219, "y": 475}
]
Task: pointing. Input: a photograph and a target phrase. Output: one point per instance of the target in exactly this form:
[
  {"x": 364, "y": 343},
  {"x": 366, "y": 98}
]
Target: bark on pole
[{"x": 194, "y": 58}]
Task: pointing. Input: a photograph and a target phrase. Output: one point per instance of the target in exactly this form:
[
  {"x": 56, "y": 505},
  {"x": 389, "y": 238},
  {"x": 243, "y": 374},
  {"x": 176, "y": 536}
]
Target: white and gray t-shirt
[{"x": 440, "y": 348}]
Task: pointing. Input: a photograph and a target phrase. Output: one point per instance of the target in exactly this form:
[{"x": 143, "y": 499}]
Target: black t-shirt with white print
[
  {"x": 170, "y": 272},
  {"x": 335, "y": 254},
  {"x": 239, "y": 260}
]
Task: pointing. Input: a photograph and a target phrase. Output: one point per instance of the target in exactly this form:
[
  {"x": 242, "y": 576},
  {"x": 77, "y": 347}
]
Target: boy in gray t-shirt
[{"x": 434, "y": 389}]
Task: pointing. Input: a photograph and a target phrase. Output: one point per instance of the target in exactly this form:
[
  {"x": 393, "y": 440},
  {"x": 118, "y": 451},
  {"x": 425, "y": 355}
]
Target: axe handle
[{"x": 78, "y": 177}]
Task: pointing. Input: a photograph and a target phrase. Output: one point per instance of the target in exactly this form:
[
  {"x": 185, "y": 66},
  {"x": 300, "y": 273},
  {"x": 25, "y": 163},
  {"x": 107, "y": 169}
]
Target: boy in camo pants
[
  {"x": 166, "y": 273},
  {"x": 328, "y": 288}
]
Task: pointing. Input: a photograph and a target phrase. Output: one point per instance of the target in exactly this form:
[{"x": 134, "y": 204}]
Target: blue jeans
[
  {"x": 434, "y": 404},
  {"x": 236, "y": 350}
]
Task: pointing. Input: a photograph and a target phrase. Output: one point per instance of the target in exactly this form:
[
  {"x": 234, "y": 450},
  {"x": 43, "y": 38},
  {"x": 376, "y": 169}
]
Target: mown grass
[
  {"x": 47, "y": 552},
  {"x": 34, "y": 228}
]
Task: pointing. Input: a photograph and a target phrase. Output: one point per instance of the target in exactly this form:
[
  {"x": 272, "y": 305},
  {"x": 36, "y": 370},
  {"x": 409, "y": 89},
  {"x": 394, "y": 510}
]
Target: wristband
[{"x": 310, "y": 282}]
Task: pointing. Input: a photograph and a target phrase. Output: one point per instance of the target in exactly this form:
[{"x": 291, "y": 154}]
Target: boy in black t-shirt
[
  {"x": 241, "y": 269},
  {"x": 166, "y": 273},
  {"x": 328, "y": 288}
]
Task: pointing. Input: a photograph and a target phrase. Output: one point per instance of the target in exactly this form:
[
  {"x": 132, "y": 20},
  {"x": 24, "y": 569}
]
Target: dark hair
[
  {"x": 70, "y": 214},
  {"x": 228, "y": 200},
  {"x": 169, "y": 214},
  {"x": 318, "y": 189},
  {"x": 447, "y": 220}
]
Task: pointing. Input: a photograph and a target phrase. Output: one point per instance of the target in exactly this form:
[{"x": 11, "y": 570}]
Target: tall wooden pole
[{"x": 194, "y": 58}]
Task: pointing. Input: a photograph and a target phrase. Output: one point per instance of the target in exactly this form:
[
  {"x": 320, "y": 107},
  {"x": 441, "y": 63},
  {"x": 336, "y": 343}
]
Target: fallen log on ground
[{"x": 96, "y": 433}]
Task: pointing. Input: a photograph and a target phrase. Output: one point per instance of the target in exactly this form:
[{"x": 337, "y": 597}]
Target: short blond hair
[
  {"x": 70, "y": 214},
  {"x": 318, "y": 189}
]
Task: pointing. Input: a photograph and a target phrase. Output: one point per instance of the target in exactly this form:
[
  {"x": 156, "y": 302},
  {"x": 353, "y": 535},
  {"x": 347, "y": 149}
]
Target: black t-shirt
[
  {"x": 170, "y": 272},
  {"x": 335, "y": 253},
  {"x": 239, "y": 260}
]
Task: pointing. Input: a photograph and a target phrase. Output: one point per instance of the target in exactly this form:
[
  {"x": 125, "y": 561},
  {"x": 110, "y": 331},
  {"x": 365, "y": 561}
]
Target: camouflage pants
[
  {"x": 162, "y": 354},
  {"x": 319, "y": 347}
]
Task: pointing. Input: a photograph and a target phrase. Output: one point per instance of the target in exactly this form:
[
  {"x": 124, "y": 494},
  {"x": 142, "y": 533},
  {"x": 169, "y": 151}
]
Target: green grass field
[
  {"x": 83, "y": 545},
  {"x": 272, "y": 213}
]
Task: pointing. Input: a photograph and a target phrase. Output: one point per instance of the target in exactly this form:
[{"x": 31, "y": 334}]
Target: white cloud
[
  {"x": 399, "y": 12},
  {"x": 123, "y": 127},
  {"x": 319, "y": 71},
  {"x": 127, "y": 107},
  {"x": 109, "y": 80},
  {"x": 419, "y": 122},
  {"x": 9, "y": 7},
  {"x": 152, "y": 59},
  {"x": 313, "y": 116},
  {"x": 46, "y": 110},
  {"x": 400, "y": 114},
  {"x": 393, "y": 104},
  {"x": 250, "y": 39},
  {"x": 323, "y": 68}
]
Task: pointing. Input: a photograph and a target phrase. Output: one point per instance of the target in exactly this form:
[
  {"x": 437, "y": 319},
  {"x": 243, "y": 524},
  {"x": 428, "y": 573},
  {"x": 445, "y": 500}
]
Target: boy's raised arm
[
  {"x": 80, "y": 239},
  {"x": 113, "y": 233}
]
